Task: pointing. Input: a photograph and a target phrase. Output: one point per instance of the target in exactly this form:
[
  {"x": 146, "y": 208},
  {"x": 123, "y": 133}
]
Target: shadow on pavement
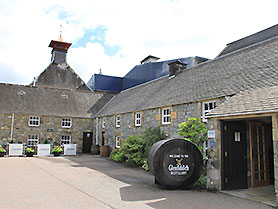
[{"x": 141, "y": 187}]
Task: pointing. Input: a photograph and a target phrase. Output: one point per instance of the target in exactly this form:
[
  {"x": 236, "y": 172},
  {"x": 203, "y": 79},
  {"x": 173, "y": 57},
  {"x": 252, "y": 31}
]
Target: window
[
  {"x": 34, "y": 121},
  {"x": 207, "y": 107},
  {"x": 137, "y": 119},
  {"x": 66, "y": 123},
  {"x": 65, "y": 140},
  {"x": 103, "y": 123},
  {"x": 118, "y": 142},
  {"x": 166, "y": 116},
  {"x": 118, "y": 121},
  {"x": 33, "y": 140}
]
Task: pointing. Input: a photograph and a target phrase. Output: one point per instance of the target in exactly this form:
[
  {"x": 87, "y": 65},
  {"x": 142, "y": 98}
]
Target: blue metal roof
[{"x": 138, "y": 75}]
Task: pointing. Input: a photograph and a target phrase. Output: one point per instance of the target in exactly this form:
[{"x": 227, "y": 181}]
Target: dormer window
[{"x": 34, "y": 121}]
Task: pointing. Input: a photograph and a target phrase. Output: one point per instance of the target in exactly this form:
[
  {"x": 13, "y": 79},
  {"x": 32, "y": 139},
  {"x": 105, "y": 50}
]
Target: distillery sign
[{"x": 179, "y": 164}]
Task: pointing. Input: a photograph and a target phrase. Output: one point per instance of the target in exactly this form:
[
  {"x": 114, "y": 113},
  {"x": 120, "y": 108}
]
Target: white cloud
[{"x": 164, "y": 28}]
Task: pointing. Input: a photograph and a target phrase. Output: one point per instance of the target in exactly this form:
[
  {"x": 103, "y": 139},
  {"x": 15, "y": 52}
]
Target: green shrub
[
  {"x": 135, "y": 148},
  {"x": 195, "y": 131}
]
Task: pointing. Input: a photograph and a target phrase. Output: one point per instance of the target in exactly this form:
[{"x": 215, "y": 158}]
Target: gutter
[
  {"x": 238, "y": 114},
  {"x": 12, "y": 127}
]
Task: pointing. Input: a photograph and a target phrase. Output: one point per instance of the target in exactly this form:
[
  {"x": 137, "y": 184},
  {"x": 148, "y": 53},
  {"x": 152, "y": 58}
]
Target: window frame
[
  {"x": 136, "y": 119},
  {"x": 33, "y": 120},
  {"x": 204, "y": 111},
  {"x": 117, "y": 142},
  {"x": 166, "y": 116},
  {"x": 103, "y": 123},
  {"x": 33, "y": 138},
  {"x": 66, "y": 140},
  {"x": 118, "y": 121},
  {"x": 66, "y": 120}
]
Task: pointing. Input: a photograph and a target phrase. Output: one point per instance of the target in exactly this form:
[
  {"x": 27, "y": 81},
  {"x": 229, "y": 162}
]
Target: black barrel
[{"x": 175, "y": 163}]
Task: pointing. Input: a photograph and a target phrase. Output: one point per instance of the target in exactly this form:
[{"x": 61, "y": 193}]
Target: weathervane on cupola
[{"x": 59, "y": 49}]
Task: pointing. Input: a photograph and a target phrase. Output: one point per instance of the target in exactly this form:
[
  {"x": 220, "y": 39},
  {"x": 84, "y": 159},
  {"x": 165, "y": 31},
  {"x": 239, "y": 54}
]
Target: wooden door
[
  {"x": 87, "y": 142},
  {"x": 258, "y": 154},
  {"x": 103, "y": 142},
  {"x": 234, "y": 159}
]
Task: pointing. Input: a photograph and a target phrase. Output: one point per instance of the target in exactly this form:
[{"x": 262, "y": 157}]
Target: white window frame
[
  {"x": 65, "y": 139},
  {"x": 103, "y": 123},
  {"x": 117, "y": 141},
  {"x": 34, "y": 121},
  {"x": 32, "y": 139},
  {"x": 118, "y": 121},
  {"x": 138, "y": 119},
  {"x": 211, "y": 105},
  {"x": 166, "y": 116},
  {"x": 66, "y": 123}
]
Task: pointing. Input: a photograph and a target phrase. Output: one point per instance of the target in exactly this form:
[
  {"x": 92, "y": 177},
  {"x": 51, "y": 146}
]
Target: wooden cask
[{"x": 175, "y": 163}]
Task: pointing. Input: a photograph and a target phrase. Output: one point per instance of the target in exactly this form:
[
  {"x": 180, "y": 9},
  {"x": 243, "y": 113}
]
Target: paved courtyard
[{"x": 88, "y": 181}]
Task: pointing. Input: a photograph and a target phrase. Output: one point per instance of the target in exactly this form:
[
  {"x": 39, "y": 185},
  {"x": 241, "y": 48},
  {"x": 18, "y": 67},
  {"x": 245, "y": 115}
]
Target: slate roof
[
  {"x": 46, "y": 101},
  {"x": 252, "y": 39},
  {"x": 60, "y": 76},
  {"x": 255, "y": 66},
  {"x": 262, "y": 100}
]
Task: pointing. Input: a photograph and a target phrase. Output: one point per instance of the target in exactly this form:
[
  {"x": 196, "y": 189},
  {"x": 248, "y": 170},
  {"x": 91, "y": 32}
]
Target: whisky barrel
[
  {"x": 104, "y": 151},
  {"x": 175, "y": 163}
]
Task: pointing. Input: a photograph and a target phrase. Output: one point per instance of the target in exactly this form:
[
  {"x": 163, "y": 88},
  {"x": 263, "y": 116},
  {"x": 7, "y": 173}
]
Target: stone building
[
  {"x": 244, "y": 65},
  {"x": 56, "y": 108}
]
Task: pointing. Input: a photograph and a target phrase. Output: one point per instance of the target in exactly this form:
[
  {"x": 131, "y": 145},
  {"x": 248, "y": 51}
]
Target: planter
[
  {"x": 104, "y": 151},
  {"x": 95, "y": 149},
  {"x": 2, "y": 154},
  {"x": 29, "y": 154},
  {"x": 56, "y": 154}
]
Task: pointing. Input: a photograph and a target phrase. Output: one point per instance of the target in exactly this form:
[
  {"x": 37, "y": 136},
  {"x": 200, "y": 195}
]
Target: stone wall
[
  {"x": 50, "y": 129},
  {"x": 150, "y": 118}
]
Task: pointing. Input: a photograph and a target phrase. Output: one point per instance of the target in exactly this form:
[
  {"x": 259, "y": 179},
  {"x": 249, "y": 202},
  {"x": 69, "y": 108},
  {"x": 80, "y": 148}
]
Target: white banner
[
  {"x": 43, "y": 149},
  {"x": 69, "y": 149},
  {"x": 15, "y": 149}
]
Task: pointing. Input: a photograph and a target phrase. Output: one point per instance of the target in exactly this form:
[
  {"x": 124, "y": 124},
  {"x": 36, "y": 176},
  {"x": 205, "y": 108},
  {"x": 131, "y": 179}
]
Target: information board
[
  {"x": 43, "y": 149},
  {"x": 69, "y": 149},
  {"x": 15, "y": 149}
]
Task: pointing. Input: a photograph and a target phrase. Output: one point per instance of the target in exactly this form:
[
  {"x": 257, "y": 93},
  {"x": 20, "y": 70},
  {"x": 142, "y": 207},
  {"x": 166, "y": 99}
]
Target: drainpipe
[
  {"x": 12, "y": 127},
  {"x": 97, "y": 142}
]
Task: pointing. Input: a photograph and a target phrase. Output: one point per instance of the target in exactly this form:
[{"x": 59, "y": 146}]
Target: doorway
[
  {"x": 247, "y": 153},
  {"x": 102, "y": 142},
  {"x": 87, "y": 142},
  {"x": 234, "y": 155},
  {"x": 261, "y": 154}
]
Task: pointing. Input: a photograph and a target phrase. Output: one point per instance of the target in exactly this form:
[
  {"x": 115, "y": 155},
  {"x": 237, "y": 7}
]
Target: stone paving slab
[{"x": 88, "y": 181}]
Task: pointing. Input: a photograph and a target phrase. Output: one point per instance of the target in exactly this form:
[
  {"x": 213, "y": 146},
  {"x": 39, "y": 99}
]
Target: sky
[{"x": 114, "y": 36}]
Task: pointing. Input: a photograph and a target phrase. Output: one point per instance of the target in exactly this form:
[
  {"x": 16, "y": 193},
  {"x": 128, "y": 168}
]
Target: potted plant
[
  {"x": 2, "y": 151},
  {"x": 30, "y": 151},
  {"x": 57, "y": 150}
]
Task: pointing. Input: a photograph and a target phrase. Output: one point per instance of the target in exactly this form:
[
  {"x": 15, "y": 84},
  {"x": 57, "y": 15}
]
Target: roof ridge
[{"x": 244, "y": 48}]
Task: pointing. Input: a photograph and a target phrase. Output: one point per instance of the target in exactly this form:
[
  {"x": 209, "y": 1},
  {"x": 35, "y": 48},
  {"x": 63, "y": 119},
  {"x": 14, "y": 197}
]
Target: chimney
[
  {"x": 149, "y": 59},
  {"x": 175, "y": 68},
  {"x": 59, "y": 50}
]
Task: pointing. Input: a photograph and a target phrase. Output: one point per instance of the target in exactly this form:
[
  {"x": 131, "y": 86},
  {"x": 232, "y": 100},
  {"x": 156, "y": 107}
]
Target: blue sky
[{"x": 116, "y": 35}]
